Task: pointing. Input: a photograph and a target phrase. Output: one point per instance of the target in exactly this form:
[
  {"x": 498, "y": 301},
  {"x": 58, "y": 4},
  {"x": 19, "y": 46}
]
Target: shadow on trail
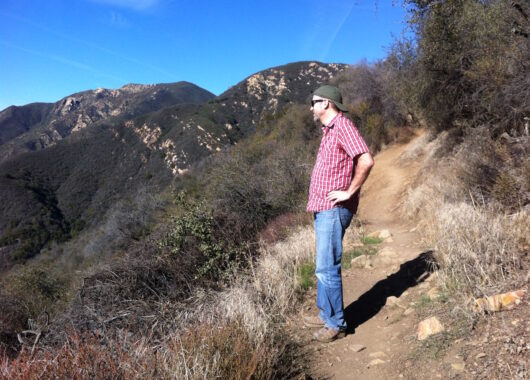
[{"x": 371, "y": 302}]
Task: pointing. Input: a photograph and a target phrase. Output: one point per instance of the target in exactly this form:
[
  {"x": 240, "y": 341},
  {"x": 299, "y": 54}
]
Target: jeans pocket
[{"x": 346, "y": 217}]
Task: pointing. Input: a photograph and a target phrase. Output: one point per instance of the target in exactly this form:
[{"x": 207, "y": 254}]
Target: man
[{"x": 342, "y": 165}]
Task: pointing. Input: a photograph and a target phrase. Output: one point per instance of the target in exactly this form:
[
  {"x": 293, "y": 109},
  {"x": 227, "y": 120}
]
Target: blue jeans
[{"x": 330, "y": 226}]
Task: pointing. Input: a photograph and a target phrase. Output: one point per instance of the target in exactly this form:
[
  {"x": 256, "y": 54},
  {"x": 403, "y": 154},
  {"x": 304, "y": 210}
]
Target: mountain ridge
[{"x": 59, "y": 181}]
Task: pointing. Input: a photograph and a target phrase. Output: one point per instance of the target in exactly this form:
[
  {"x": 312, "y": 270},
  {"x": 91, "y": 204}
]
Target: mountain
[
  {"x": 185, "y": 134},
  {"x": 95, "y": 157},
  {"x": 40, "y": 125}
]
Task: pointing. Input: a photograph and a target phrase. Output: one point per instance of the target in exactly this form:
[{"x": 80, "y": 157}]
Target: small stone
[
  {"x": 376, "y": 362},
  {"x": 497, "y": 302},
  {"x": 405, "y": 293},
  {"x": 481, "y": 355},
  {"x": 408, "y": 311},
  {"x": 338, "y": 359},
  {"x": 458, "y": 366},
  {"x": 359, "y": 261},
  {"x": 400, "y": 375},
  {"x": 357, "y": 347},
  {"x": 433, "y": 294},
  {"x": 384, "y": 234},
  {"x": 389, "y": 240},
  {"x": 428, "y": 327},
  {"x": 378, "y": 354}
]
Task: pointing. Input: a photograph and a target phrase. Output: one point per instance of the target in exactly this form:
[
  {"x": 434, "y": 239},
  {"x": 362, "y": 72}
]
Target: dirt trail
[{"x": 378, "y": 300}]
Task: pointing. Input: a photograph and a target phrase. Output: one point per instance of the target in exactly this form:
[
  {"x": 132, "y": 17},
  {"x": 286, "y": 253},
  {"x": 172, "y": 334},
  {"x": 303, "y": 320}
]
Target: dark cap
[{"x": 331, "y": 93}]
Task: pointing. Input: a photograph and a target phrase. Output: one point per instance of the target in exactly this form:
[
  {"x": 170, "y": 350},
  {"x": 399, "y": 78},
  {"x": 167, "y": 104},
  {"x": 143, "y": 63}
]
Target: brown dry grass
[
  {"x": 232, "y": 333},
  {"x": 479, "y": 241}
]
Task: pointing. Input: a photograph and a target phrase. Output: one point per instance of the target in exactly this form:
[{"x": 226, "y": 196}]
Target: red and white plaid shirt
[{"x": 341, "y": 143}]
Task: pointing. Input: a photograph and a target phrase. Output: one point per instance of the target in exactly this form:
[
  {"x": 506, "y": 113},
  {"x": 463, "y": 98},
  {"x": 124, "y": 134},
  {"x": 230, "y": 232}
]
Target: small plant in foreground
[
  {"x": 305, "y": 273},
  {"x": 371, "y": 240}
]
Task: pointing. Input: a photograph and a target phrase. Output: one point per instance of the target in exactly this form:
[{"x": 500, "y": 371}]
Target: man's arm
[{"x": 362, "y": 169}]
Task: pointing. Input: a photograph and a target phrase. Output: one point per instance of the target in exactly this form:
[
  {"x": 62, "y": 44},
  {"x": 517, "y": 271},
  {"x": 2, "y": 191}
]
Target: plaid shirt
[{"x": 334, "y": 168}]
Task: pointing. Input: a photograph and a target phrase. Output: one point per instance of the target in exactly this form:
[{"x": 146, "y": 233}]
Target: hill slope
[{"x": 74, "y": 161}]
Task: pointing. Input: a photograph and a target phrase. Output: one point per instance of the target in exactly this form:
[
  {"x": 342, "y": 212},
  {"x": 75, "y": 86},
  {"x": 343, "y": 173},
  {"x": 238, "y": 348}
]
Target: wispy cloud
[
  {"x": 329, "y": 24},
  {"x": 63, "y": 60},
  {"x": 335, "y": 32},
  {"x": 137, "y": 5},
  {"x": 119, "y": 21},
  {"x": 168, "y": 75}
]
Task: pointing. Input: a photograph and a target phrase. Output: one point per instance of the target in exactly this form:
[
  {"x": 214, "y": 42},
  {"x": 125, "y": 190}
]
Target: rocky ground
[{"x": 401, "y": 325}]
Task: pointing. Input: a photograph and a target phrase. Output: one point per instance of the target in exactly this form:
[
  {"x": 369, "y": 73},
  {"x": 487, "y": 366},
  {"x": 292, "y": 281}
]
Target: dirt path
[{"x": 378, "y": 299}]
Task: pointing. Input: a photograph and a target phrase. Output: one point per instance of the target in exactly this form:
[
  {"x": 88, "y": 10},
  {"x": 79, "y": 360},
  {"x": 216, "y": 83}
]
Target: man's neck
[{"x": 328, "y": 117}]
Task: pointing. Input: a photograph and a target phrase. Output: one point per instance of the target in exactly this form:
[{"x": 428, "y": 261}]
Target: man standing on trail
[{"x": 342, "y": 165}]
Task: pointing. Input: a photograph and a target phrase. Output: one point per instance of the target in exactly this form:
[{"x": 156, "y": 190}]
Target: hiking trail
[{"x": 379, "y": 298}]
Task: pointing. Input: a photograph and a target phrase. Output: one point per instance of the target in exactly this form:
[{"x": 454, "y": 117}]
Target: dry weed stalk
[
  {"x": 229, "y": 333},
  {"x": 478, "y": 244}
]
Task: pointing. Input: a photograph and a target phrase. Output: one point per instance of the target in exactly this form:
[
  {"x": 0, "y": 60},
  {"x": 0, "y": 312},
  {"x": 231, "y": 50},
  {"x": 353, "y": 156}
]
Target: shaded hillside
[
  {"x": 15, "y": 121},
  {"x": 38, "y": 126},
  {"x": 54, "y": 193},
  {"x": 66, "y": 183}
]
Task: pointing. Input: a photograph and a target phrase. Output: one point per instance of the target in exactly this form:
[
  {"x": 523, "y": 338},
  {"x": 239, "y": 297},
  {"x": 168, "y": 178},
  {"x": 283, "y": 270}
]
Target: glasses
[{"x": 316, "y": 101}]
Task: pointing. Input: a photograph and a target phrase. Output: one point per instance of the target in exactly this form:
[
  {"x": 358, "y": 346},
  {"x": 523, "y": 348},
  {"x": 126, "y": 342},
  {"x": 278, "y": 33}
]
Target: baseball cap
[{"x": 331, "y": 93}]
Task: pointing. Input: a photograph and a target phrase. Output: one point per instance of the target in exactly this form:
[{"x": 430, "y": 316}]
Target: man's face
[{"x": 318, "y": 107}]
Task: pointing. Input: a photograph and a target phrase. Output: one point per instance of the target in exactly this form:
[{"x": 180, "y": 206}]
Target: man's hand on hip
[{"x": 337, "y": 196}]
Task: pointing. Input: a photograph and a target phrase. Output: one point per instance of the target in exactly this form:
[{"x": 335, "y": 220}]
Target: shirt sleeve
[{"x": 350, "y": 139}]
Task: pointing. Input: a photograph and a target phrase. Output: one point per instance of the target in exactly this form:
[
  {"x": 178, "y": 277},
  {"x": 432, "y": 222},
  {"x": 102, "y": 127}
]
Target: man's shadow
[{"x": 370, "y": 303}]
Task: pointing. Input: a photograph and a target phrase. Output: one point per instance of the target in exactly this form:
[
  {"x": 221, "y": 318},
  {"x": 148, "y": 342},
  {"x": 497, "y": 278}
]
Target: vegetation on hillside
[{"x": 201, "y": 297}]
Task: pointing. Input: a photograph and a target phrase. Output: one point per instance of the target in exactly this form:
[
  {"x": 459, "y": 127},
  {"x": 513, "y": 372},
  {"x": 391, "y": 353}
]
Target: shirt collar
[{"x": 332, "y": 122}]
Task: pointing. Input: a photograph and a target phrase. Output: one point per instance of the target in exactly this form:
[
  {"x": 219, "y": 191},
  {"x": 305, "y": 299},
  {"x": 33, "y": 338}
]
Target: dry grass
[
  {"x": 479, "y": 242},
  {"x": 232, "y": 333}
]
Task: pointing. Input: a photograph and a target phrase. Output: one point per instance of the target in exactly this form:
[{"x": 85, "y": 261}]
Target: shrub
[
  {"x": 467, "y": 73},
  {"x": 195, "y": 232},
  {"x": 27, "y": 293}
]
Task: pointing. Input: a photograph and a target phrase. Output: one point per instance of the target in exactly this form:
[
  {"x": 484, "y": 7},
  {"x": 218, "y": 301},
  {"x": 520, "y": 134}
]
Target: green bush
[
  {"x": 471, "y": 62},
  {"x": 195, "y": 231}
]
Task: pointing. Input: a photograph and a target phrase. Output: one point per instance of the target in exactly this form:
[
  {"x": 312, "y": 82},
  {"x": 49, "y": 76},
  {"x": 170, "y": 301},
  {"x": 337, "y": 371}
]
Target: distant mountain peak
[{"x": 134, "y": 87}]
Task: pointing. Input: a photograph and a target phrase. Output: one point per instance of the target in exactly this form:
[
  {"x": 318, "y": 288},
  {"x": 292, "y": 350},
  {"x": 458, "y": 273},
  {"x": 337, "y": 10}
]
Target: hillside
[
  {"x": 64, "y": 166},
  {"x": 37, "y": 126}
]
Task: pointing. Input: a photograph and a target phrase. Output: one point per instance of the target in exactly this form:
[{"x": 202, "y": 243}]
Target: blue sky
[{"x": 50, "y": 49}]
